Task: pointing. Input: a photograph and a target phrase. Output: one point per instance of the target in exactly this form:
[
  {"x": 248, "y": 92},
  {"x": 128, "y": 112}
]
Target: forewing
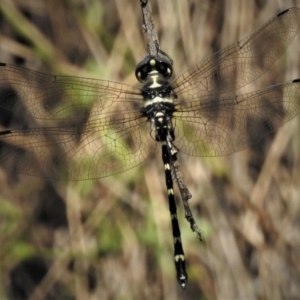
[
  {"x": 240, "y": 63},
  {"x": 218, "y": 126},
  {"x": 73, "y": 128}
]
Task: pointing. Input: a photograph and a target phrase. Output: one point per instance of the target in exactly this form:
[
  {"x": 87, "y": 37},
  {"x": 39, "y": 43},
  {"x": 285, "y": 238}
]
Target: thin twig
[
  {"x": 148, "y": 28},
  {"x": 185, "y": 193}
]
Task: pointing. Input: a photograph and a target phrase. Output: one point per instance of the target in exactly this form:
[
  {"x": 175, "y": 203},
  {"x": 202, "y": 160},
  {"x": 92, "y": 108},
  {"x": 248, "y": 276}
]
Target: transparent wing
[
  {"x": 240, "y": 63},
  {"x": 67, "y": 127},
  {"x": 214, "y": 126}
]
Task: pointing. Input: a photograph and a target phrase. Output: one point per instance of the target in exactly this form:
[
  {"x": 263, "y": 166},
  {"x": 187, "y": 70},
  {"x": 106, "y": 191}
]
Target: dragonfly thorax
[{"x": 158, "y": 94}]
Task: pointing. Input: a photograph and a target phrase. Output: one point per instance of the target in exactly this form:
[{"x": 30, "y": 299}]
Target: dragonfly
[{"x": 73, "y": 128}]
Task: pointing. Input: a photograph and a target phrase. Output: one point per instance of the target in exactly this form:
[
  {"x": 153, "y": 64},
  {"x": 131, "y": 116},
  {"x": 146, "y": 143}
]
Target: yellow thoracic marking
[
  {"x": 158, "y": 100},
  {"x": 179, "y": 257},
  {"x": 170, "y": 192},
  {"x": 167, "y": 167},
  {"x": 155, "y": 84},
  {"x": 152, "y": 62}
]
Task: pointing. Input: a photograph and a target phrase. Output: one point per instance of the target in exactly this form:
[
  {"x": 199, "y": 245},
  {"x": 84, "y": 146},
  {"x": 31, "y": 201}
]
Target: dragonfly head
[{"x": 151, "y": 64}]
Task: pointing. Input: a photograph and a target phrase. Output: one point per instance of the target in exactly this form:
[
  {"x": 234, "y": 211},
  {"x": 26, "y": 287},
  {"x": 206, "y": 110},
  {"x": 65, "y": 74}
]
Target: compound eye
[
  {"x": 142, "y": 72},
  {"x": 165, "y": 70},
  {"x": 151, "y": 63}
]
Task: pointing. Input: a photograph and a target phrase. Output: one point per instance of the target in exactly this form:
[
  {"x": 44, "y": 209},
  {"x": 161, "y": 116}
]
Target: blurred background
[{"x": 111, "y": 238}]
